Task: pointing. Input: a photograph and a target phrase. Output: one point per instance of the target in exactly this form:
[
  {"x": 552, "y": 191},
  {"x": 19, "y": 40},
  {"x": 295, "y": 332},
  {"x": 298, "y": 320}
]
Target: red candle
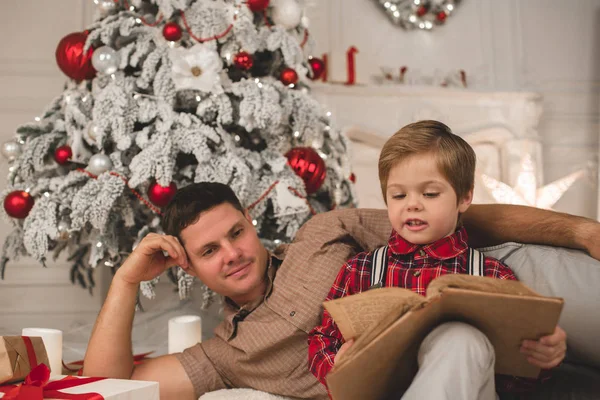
[{"x": 351, "y": 65}]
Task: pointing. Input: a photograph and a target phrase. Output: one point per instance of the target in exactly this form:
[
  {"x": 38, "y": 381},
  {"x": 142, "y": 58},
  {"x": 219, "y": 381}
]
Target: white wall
[{"x": 546, "y": 46}]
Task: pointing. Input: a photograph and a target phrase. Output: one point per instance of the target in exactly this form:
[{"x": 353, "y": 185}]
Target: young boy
[{"x": 427, "y": 176}]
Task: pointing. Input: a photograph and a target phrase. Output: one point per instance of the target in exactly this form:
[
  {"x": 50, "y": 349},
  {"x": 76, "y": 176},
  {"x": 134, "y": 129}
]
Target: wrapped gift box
[
  {"x": 117, "y": 389},
  {"x": 16, "y": 355}
]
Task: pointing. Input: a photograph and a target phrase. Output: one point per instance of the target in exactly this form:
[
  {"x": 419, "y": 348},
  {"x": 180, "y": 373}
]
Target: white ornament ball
[
  {"x": 305, "y": 22},
  {"x": 106, "y": 60},
  {"x": 105, "y": 6},
  {"x": 99, "y": 163},
  {"x": 63, "y": 230},
  {"x": 11, "y": 150},
  {"x": 92, "y": 132},
  {"x": 286, "y": 13}
]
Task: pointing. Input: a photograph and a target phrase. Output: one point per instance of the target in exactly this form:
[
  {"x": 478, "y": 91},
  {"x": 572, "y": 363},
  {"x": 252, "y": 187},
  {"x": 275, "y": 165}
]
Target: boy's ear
[{"x": 465, "y": 202}]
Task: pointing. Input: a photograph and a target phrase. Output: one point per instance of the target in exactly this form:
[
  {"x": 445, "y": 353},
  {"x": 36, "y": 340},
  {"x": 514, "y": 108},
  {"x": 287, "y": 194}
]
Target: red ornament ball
[
  {"x": 72, "y": 60},
  {"x": 258, "y": 5},
  {"x": 63, "y": 154},
  {"x": 352, "y": 178},
  {"x": 17, "y": 204},
  {"x": 441, "y": 16},
  {"x": 309, "y": 166},
  {"x": 288, "y": 76},
  {"x": 422, "y": 10},
  {"x": 161, "y": 195},
  {"x": 243, "y": 60},
  {"x": 172, "y": 32},
  {"x": 318, "y": 67}
]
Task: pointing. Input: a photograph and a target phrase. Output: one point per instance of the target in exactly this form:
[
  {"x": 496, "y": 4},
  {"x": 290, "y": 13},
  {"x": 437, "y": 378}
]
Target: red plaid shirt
[{"x": 412, "y": 267}]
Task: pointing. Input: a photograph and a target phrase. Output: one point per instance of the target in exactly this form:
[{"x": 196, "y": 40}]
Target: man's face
[
  {"x": 422, "y": 205},
  {"x": 225, "y": 253}
]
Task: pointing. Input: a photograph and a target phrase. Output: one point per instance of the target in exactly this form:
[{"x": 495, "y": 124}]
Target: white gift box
[{"x": 117, "y": 389}]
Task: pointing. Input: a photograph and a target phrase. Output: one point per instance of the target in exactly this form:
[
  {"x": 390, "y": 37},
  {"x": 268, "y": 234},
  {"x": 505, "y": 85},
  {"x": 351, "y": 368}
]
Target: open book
[{"x": 389, "y": 324}]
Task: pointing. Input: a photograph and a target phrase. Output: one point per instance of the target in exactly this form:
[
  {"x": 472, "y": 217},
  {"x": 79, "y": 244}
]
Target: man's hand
[
  {"x": 149, "y": 258},
  {"x": 548, "y": 352},
  {"x": 342, "y": 350}
]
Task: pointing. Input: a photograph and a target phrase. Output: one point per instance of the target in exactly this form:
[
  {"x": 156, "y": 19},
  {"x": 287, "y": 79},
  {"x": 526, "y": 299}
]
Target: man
[{"x": 272, "y": 302}]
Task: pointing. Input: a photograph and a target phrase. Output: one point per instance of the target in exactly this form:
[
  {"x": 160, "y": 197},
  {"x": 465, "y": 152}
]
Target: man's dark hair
[{"x": 192, "y": 200}]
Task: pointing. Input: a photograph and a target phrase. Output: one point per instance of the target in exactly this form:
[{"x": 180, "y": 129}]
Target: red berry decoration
[
  {"x": 352, "y": 178},
  {"x": 441, "y": 16},
  {"x": 63, "y": 154},
  {"x": 17, "y": 204},
  {"x": 422, "y": 10},
  {"x": 288, "y": 76},
  {"x": 309, "y": 166},
  {"x": 172, "y": 32},
  {"x": 161, "y": 195},
  {"x": 318, "y": 67},
  {"x": 72, "y": 60},
  {"x": 258, "y": 5},
  {"x": 243, "y": 60}
]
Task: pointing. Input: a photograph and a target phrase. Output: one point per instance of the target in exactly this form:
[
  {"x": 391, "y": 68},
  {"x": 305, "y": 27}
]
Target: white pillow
[{"x": 364, "y": 167}]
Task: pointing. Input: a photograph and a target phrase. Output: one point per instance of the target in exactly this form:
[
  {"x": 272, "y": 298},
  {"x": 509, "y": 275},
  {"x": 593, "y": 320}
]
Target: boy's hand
[
  {"x": 342, "y": 350},
  {"x": 548, "y": 352}
]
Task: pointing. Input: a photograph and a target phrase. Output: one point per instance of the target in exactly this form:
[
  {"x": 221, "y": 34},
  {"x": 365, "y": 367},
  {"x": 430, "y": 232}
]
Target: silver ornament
[
  {"x": 106, "y": 60},
  {"x": 91, "y": 135},
  {"x": 286, "y": 13},
  {"x": 105, "y": 6},
  {"x": 63, "y": 230},
  {"x": 11, "y": 150},
  {"x": 99, "y": 163}
]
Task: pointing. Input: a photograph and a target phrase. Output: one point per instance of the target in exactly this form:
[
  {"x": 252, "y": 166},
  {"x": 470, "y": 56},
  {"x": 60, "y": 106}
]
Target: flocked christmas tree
[{"x": 164, "y": 93}]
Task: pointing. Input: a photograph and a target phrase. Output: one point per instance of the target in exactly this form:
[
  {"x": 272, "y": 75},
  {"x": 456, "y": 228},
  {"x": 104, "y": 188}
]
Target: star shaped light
[{"x": 526, "y": 192}]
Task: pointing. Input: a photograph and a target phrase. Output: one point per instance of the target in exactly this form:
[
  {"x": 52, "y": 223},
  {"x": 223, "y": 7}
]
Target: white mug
[
  {"x": 53, "y": 341},
  {"x": 184, "y": 331}
]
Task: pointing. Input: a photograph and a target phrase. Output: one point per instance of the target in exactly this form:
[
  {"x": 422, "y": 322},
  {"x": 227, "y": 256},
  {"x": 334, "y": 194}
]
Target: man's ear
[
  {"x": 189, "y": 270},
  {"x": 465, "y": 202},
  {"x": 247, "y": 215}
]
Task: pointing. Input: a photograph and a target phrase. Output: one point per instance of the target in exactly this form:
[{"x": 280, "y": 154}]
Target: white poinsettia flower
[{"x": 198, "y": 67}]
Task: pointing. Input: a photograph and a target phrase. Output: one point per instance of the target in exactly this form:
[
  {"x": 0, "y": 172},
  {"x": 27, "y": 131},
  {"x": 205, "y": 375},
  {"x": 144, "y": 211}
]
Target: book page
[
  {"x": 355, "y": 313},
  {"x": 479, "y": 284}
]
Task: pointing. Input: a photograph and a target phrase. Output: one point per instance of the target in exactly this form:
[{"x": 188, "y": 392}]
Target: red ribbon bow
[{"x": 37, "y": 387}]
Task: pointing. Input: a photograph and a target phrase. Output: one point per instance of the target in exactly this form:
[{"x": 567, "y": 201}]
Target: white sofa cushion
[{"x": 566, "y": 273}]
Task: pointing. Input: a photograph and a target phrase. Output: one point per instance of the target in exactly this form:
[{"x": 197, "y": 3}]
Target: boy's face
[{"x": 422, "y": 205}]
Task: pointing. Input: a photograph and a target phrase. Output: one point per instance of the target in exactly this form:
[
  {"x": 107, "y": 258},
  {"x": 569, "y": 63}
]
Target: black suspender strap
[
  {"x": 475, "y": 262},
  {"x": 379, "y": 265}
]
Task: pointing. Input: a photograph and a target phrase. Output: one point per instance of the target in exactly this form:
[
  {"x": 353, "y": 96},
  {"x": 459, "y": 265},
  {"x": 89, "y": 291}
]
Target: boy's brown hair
[{"x": 455, "y": 157}]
